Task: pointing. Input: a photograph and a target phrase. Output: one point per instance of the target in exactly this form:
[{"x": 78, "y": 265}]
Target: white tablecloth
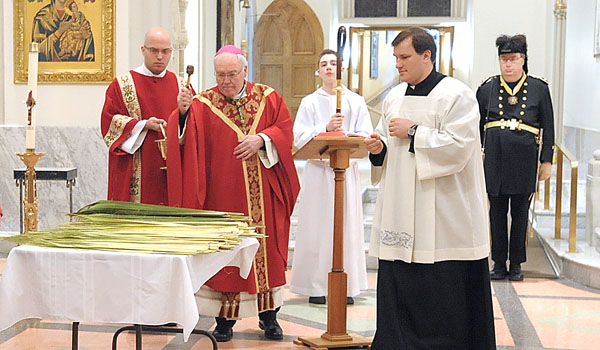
[{"x": 96, "y": 286}]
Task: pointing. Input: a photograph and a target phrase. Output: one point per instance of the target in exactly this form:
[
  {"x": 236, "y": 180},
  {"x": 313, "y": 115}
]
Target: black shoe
[
  {"x": 222, "y": 335},
  {"x": 268, "y": 323},
  {"x": 224, "y": 329},
  {"x": 515, "y": 273},
  {"x": 317, "y": 300},
  {"x": 499, "y": 272},
  {"x": 272, "y": 329},
  {"x": 350, "y": 301}
]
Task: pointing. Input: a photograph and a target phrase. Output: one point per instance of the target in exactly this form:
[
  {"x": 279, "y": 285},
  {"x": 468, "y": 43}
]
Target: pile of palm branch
[{"x": 134, "y": 227}]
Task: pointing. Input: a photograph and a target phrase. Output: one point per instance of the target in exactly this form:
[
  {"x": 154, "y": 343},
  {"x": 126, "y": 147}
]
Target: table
[
  {"x": 110, "y": 287},
  {"x": 52, "y": 174}
]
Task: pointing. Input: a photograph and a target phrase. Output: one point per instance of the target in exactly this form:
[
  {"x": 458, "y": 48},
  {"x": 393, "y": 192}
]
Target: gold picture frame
[{"x": 76, "y": 42}]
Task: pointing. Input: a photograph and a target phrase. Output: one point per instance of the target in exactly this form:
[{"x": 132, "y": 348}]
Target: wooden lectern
[{"x": 339, "y": 150}]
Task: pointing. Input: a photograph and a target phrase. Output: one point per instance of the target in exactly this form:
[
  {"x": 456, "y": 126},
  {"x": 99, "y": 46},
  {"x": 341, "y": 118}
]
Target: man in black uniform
[{"x": 514, "y": 107}]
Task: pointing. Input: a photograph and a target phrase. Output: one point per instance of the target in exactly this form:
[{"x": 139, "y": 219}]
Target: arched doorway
[{"x": 287, "y": 43}]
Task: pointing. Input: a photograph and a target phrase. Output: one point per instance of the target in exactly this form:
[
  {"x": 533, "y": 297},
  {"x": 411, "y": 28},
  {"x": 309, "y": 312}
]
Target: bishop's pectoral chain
[{"x": 238, "y": 104}]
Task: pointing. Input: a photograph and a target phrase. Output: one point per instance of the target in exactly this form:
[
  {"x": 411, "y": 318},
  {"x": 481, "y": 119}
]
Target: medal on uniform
[{"x": 512, "y": 98}]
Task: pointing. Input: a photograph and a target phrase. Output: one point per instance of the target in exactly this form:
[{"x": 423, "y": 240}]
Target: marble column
[
  {"x": 558, "y": 75},
  {"x": 181, "y": 35}
]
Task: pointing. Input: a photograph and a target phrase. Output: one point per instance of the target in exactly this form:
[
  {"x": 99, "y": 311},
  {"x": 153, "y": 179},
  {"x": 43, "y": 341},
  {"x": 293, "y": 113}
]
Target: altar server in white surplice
[
  {"x": 430, "y": 228},
  {"x": 314, "y": 238}
]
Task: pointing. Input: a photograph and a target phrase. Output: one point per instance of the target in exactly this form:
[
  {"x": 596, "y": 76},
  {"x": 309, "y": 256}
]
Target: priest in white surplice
[
  {"x": 314, "y": 237},
  {"x": 430, "y": 228}
]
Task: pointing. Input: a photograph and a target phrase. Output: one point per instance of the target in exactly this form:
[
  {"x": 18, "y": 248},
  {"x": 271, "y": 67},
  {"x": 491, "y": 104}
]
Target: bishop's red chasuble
[
  {"x": 203, "y": 173},
  {"x": 130, "y": 98}
]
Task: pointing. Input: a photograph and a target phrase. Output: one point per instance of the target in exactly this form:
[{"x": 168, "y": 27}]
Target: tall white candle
[{"x": 32, "y": 87}]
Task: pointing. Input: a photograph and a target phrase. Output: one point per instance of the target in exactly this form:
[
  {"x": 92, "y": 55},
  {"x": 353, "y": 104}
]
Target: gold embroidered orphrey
[
  {"x": 130, "y": 99},
  {"x": 232, "y": 114}
]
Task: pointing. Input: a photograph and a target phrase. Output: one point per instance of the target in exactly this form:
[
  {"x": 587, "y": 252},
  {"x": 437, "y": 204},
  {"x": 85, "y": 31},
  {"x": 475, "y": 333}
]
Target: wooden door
[{"x": 287, "y": 43}]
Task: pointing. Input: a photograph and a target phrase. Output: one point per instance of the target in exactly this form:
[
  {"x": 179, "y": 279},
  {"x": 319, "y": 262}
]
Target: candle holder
[{"x": 30, "y": 208}]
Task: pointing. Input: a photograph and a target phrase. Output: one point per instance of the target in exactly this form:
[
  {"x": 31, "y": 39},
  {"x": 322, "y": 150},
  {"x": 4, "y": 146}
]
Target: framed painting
[{"x": 75, "y": 37}]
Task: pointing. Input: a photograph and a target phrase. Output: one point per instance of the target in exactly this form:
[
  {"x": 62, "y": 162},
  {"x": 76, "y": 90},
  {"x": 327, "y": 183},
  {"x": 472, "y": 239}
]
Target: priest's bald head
[
  {"x": 157, "y": 49},
  {"x": 231, "y": 70}
]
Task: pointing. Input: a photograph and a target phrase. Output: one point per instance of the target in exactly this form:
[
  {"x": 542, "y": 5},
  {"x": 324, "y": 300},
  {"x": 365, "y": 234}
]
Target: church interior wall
[
  {"x": 194, "y": 24},
  {"x": 582, "y": 83},
  {"x": 142, "y": 15},
  {"x": 207, "y": 43}
]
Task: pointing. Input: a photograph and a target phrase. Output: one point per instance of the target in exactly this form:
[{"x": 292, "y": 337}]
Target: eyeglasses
[
  {"x": 512, "y": 59},
  {"x": 155, "y": 51},
  {"x": 222, "y": 76}
]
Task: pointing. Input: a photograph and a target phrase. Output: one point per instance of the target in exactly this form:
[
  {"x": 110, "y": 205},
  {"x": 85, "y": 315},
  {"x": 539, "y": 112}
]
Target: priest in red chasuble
[
  {"x": 137, "y": 104},
  {"x": 235, "y": 155}
]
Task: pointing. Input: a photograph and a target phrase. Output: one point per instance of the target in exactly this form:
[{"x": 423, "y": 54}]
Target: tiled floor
[{"x": 537, "y": 313}]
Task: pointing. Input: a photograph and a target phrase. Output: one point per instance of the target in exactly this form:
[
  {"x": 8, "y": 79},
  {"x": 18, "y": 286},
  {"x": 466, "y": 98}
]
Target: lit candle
[{"x": 31, "y": 95}]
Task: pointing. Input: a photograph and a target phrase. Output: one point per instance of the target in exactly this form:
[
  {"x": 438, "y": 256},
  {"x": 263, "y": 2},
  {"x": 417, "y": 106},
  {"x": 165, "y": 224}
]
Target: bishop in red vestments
[
  {"x": 137, "y": 104},
  {"x": 236, "y": 156}
]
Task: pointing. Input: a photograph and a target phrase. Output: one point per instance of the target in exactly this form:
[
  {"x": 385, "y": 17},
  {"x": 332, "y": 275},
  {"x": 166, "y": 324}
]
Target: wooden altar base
[{"x": 318, "y": 343}]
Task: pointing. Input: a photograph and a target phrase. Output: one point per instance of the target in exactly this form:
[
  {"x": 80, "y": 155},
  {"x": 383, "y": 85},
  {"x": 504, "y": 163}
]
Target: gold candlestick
[
  {"x": 162, "y": 146},
  {"x": 30, "y": 208}
]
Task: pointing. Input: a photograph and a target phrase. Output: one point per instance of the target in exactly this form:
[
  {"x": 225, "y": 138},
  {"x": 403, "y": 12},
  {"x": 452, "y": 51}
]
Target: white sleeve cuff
[
  {"x": 135, "y": 139},
  {"x": 182, "y": 132},
  {"x": 269, "y": 155}
]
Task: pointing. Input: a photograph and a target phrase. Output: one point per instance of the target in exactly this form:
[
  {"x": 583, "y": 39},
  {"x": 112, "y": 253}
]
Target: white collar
[
  {"x": 143, "y": 70},
  {"x": 241, "y": 94}
]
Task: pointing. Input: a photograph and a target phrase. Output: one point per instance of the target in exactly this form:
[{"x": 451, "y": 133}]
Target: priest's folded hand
[
  {"x": 248, "y": 147},
  {"x": 399, "y": 127}
]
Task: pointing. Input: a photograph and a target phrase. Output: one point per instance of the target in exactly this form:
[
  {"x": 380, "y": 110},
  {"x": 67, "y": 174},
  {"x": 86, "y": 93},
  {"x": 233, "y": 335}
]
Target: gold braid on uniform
[
  {"x": 542, "y": 79},
  {"x": 488, "y": 79}
]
